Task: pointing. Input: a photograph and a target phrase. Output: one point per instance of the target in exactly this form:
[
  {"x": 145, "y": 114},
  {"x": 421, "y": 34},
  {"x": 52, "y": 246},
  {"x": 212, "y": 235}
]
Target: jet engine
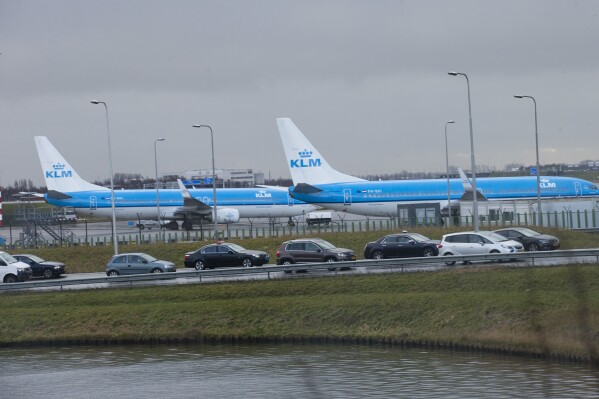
[{"x": 227, "y": 215}]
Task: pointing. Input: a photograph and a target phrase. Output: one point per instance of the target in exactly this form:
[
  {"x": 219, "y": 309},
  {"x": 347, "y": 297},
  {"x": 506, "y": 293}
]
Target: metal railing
[{"x": 399, "y": 265}]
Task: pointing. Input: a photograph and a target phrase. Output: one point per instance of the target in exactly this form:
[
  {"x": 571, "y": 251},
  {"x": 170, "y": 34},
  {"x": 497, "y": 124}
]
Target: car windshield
[
  {"x": 325, "y": 244},
  {"x": 529, "y": 232},
  {"x": 147, "y": 257},
  {"x": 419, "y": 237},
  {"x": 236, "y": 248},
  {"x": 35, "y": 258},
  {"x": 492, "y": 236},
  {"x": 7, "y": 258}
]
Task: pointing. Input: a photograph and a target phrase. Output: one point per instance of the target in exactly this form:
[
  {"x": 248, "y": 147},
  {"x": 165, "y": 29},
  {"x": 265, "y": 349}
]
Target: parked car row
[{"x": 510, "y": 241}]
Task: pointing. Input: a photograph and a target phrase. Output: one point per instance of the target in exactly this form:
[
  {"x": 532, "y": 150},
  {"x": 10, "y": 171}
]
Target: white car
[{"x": 477, "y": 243}]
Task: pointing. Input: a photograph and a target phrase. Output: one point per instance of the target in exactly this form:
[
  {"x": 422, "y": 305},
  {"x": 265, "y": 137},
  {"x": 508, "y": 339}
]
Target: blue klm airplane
[
  {"x": 67, "y": 189},
  {"x": 316, "y": 182}
]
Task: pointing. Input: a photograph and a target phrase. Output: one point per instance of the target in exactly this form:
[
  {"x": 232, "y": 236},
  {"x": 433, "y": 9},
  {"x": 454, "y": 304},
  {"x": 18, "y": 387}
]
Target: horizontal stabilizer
[
  {"x": 53, "y": 194},
  {"x": 304, "y": 188}
]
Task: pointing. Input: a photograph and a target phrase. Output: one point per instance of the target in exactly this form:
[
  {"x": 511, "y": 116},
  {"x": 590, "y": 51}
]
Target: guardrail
[{"x": 404, "y": 264}]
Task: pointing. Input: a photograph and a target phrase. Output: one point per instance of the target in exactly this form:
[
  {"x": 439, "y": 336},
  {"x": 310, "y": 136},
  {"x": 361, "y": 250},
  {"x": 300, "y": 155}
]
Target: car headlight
[
  {"x": 543, "y": 241},
  {"x": 22, "y": 269},
  {"x": 57, "y": 267}
]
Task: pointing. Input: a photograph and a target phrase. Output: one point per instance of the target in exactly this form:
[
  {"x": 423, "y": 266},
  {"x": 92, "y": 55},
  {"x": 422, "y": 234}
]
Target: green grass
[{"x": 542, "y": 310}]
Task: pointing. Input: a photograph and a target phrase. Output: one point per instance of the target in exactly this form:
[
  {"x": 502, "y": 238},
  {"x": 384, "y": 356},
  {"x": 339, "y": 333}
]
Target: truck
[{"x": 318, "y": 218}]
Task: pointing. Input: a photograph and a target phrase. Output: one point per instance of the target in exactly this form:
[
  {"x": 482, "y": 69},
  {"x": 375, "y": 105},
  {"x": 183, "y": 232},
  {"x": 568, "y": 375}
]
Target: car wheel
[
  {"x": 247, "y": 262},
  {"x": 449, "y": 262},
  {"x": 495, "y": 260},
  {"x": 157, "y": 270},
  {"x": 47, "y": 273},
  {"x": 113, "y": 273},
  {"x": 428, "y": 252},
  {"x": 200, "y": 265},
  {"x": 11, "y": 278},
  {"x": 141, "y": 227},
  {"x": 286, "y": 262},
  {"x": 378, "y": 255},
  {"x": 533, "y": 247},
  {"x": 330, "y": 260}
]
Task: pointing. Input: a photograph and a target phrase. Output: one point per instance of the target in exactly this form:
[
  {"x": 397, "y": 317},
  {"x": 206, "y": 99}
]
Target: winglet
[{"x": 465, "y": 181}]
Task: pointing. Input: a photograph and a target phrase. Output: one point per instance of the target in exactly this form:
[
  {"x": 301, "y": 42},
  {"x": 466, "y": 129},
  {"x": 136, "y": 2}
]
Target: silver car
[{"x": 137, "y": 263}]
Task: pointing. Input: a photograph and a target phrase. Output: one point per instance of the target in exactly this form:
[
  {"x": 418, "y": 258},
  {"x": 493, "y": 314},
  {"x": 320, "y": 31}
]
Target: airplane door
[
  {"x": 93, "y": 203},
  {"x": 346, "y": 196},
  {"x": 578, "y": 189}
]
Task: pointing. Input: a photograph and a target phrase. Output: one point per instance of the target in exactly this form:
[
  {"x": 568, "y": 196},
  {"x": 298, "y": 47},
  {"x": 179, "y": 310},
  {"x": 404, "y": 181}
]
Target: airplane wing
[
  {"x": 190, "y": 204},
  {"x": 468, "y": 189},
  {"x": 278, "y": 188}
]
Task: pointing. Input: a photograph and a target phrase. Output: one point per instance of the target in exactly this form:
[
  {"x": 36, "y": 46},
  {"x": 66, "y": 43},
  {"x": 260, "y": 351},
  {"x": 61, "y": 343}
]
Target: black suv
[
  {"x": 214, "y": 255},
  {"x": 312, "y": 250}
]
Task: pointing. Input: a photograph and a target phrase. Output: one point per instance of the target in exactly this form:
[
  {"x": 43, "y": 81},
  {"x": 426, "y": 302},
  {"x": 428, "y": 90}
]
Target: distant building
[{"x": 225, "y": 177}]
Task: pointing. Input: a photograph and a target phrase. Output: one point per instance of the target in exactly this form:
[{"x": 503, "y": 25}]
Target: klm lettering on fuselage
[
  {"x": 58, "y": 172},
  {"x": 263, "y": 194},
  {"x": 305, "y": 160},
  {"x": 545, "y": 183}
]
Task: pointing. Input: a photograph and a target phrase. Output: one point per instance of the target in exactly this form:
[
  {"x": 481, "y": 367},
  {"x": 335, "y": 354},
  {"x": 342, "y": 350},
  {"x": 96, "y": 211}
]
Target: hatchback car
[
  {"x": 532, "y": 240},
  {"x": 477, "y": 243},
  {"x": 224, "y": 254},
  {"x": 137, "y": 263},
  {"x": 40, "y": 267},
  {"x": 401, "y": 245},
  {"x": 312, "y": 250}
]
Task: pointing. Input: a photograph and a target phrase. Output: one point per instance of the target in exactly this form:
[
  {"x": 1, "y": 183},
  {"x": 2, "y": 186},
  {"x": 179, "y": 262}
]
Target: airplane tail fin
[
  {"x": 305, "y": 163},
  {"x": 58, "y": 173}
]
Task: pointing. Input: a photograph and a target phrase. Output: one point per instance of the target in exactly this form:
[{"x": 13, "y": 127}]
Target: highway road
[{"x": 190, "y": 276}]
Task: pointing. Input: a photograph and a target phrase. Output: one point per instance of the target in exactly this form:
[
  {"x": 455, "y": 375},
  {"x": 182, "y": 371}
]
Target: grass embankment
[
  {"x": 549, "y": 311},
  {"x": 83, "y": 259}
]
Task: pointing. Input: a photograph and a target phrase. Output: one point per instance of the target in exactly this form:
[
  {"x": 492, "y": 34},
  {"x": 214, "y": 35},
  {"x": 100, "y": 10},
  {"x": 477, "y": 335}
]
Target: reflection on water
[{"x": 283, "y": 371}]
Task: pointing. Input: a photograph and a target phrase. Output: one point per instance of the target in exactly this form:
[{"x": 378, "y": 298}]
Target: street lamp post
[
  {"x": 539, "y": 210},
  {"x": 114, "y": 237},
  {"x": 472, "y": 163},
  {"x": 447, "y": 171},
  {"x": 213, "y": 181},
  {"x": 157, "y": 195}
]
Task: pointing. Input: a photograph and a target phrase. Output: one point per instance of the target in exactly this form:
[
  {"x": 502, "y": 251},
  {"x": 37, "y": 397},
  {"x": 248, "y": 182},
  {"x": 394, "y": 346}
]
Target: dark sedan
[
  {"x": 214, "y": 255},
  {"x": 401, "y": 245},
  {"x": 532, "y": 240},
  {"x": 40, "y": 267}
]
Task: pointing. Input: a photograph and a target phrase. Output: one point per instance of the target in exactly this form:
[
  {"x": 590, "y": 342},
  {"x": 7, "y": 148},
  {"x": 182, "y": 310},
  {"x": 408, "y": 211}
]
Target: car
[
  {"x": 149, "y": 224},
  {"x": 137, "y": 263},
  {"x": 40, "y": 267},
  {"x": 401, "y": 245},
  {"x": 476, "y": 243},
  {"x": 224, "y": 254},
  {"x": 532, "y": 240},
  {"x": 12, "y": 271},
  {"x": 312, "y": 250}
]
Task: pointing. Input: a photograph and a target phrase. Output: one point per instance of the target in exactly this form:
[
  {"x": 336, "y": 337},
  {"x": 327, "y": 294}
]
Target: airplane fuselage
[
  {"x": 142, "y": 204},
  {"x": 381, "y": 198}
]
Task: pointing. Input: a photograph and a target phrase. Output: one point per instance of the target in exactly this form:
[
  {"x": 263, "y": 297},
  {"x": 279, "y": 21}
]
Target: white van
[{"x": 11, "y": 270}]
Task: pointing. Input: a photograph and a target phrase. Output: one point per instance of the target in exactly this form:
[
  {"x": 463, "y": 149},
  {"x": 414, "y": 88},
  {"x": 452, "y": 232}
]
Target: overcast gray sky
[{"x": 366, "y": 81}]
